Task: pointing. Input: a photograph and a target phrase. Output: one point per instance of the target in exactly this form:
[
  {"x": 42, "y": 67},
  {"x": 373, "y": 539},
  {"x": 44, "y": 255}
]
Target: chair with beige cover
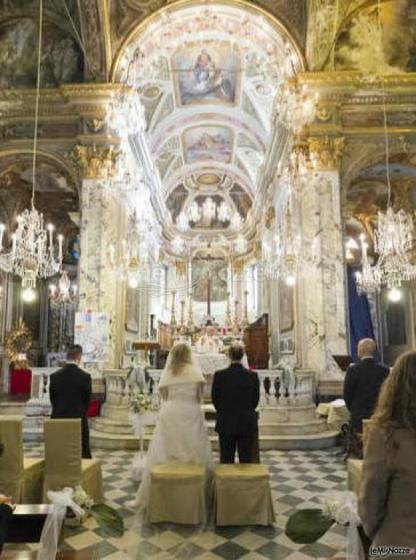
[
  {"x": 177, "y": 494},
  {"x": 354, "y": 466},
  {"x": 242, "y": 495},
  {"x": 20, "y": 477},
  {"x": 63, "y": 464}
]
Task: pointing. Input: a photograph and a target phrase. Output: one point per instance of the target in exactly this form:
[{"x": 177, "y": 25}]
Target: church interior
[{"x": 207, "y": 172}]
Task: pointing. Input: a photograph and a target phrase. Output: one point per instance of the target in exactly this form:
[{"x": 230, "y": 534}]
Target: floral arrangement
[
  {"x": 79, "y": 505},
  {"x": 309, "y": 525},
  {"x": 18, "y": 342},
  {"x": 140, "y": 403}
]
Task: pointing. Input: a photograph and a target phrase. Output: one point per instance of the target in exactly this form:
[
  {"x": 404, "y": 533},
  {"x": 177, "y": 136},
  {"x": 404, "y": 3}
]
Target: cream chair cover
[
  {"x": 354, "y": 468},
  {"x": 20, "y": 478},
  {"x": 242, "y": 495},
  {"x": 63, "y": 463},
  {"x": 177, "y": 494}
]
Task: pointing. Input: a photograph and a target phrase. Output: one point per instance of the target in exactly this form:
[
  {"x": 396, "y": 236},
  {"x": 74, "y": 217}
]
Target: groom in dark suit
[
  {"x": 235, "y": 395},
  {"x": 70, "y": 393}
]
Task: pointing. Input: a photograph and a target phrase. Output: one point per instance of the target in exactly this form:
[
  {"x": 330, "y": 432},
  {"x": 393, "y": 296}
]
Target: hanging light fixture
[
  {"x": 393, "y": 236},
  {"x": 64, "y": 292},
  {"x": 34, "y": 253},
  {"x": 296, "y": 105},
  {"x": 281, "y": 248},
  {"x": 207, "y": 213}
]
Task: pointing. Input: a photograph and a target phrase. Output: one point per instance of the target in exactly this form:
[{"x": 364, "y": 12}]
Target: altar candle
[{"x": 60, "y": 240}]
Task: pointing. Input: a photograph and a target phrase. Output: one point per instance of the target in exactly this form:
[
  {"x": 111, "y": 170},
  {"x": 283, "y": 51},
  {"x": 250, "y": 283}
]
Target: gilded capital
[
  {"x": 96, "y": 162},
  {"x": 326, "y": 153}
]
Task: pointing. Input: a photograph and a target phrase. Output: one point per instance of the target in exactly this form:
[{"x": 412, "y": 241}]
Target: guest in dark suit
[
  {"x": 70, "y": 393},
  {"x": 235, "y": 395},
  {"x": 6, "y": 512},
  {"x": 362, "y": 384}
]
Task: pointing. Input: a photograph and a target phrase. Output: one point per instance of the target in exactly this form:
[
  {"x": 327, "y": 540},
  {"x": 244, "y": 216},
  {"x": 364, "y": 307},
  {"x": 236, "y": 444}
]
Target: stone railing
[{"x": 298, "y": 390}]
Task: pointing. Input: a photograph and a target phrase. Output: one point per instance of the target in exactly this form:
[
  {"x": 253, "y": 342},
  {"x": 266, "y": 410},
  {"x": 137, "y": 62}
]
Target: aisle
[{"x": 298, "y": 479}]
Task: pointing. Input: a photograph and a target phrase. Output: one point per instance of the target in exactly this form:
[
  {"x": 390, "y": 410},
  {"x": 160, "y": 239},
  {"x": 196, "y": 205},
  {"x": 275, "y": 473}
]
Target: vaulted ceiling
[{"x": 207, "y": 78}]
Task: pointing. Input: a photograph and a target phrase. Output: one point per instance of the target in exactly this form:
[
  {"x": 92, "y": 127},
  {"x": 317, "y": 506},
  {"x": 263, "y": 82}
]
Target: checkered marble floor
[{"x": 299, "y": 478}]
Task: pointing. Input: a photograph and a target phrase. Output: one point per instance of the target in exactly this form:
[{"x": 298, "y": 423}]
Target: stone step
[
  {"x": 322, "y": 440},
  {"x": 102, "y": 424}
]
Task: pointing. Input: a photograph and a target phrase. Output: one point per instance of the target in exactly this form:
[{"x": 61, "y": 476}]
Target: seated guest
[
  {"x": 235, "y": 395},
  {"x": 362, "y": 384},
  {"x": 70, "y": 394},
  {"x": 387, "y": 503},
  {"x": 6, "y": 511}
]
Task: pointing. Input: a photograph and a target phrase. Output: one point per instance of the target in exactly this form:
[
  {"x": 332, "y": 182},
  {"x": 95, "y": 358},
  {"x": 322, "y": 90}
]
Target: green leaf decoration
[
  {"x": 307, "y": 526},
  {"x": 109, "y": 520}
]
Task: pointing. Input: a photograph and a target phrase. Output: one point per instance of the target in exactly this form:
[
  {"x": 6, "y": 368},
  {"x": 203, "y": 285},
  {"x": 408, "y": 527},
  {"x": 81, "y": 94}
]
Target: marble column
[
  {"x": 322, "y": 287},
  {"x": 102, "y": 223}
]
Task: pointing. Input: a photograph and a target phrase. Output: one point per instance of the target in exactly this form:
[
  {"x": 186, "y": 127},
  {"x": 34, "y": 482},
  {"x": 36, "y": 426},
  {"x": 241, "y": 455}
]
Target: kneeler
[
  {"x": 63, "y": 463},
  {"x": 242, "y": 495},
  {"x": 177, "y": 494},
  {"x": 20, "y": 477}
]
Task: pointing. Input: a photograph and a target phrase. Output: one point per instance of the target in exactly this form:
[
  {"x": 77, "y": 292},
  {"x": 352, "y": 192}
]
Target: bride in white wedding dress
[{"x": 181, "y": 435}]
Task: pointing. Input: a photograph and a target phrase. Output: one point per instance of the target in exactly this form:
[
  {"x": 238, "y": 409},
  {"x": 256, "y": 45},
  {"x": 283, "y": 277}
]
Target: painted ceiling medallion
[
  {"x": 151, "y": 92},
  {"x": 209, "y": 179}
]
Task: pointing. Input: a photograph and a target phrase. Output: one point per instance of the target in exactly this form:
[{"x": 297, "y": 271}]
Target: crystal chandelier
[
  {"x": 33, "y": 253},
  {"x": 207, "y": 213},
  {"x": 125, "y": 115},
  {"x": 125, "y": 263},
  {"x": 281, "y": 250},
  {"x": 393, "y": 236},
  {"x": 64, "y": 292},
  {"x": 393, "y": 243},
  {"x": 296, "y": 105}
]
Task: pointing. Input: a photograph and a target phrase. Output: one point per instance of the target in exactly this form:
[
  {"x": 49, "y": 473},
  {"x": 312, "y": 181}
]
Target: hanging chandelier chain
[{"x": 37, "y": 103}]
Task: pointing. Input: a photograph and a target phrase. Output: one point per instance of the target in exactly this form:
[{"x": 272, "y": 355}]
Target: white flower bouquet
[{"x": 140, "y": 403}]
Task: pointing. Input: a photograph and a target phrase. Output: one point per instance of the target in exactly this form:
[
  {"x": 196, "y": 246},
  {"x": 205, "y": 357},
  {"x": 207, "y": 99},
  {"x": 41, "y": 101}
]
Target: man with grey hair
[
  {"x": 235, "y": 395},
  {"x": 362, "y": 384}
]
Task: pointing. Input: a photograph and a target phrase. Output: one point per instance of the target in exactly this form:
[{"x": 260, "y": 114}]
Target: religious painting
[
  {"x": 207, "y": 72},
  {"x": 286, "y": 318},
  {"x": 366, "y": 46},
  {"x": 176, "y": 201},
  {"x": 62, "y": 60},
  {"x": 132, "y": 310},
  {"x": 208, "y": 143},
  {"x": 241, "y": 199},
  {"x": 209, "y": 279}
]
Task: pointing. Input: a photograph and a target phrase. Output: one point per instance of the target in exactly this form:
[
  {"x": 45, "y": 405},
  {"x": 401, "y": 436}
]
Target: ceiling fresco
[
  {"x": 387, "y": 44},
  {"x": 207, "y": 77}
]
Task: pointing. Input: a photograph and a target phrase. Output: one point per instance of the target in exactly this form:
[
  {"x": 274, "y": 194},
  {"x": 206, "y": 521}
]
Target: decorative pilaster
[
  {"x": 322, "y": 290},
  {"x": 101, "y": 224}
]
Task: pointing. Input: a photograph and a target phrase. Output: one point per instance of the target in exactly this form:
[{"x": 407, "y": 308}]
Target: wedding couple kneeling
[{"x": 181, "y": 434}]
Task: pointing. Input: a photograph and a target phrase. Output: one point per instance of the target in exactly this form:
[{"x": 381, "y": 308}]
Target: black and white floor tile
[{"x": 299, "y": 479}]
